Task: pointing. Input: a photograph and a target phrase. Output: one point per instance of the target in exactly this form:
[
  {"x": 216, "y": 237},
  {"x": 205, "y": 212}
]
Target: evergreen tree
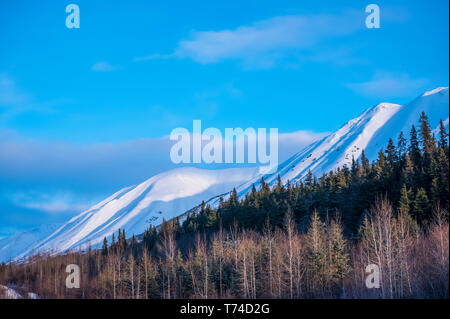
[
  {"x": 442, "y": 163},
  {"x": 120, "y": 241},
  {"x": 426, "y": 138},
  {"x": 405, "y": 202},
  {"x": 401, "y": 145},
  {"x": 428, "y": 145},
  {"x": 404, "y": 212},
  {"x": 123, "y": 242},
  {"x": 421, "y": 205},
  {"x": 221, "y": 202},
  {"x": 391, "y": 155},
  {"x": 234, "y": 200},
  {"x": 365, "y": 163},
  {"x": 380, "y": 165},
  {"x": 414, "y": 149},
  {"x": 105, "y": 247},
  {"x": 339, "y": 259},
  {"x": 309, "y": 179},
  {"x": 443, "y": 135},
  {"x": 279, "y": 186},
  {"x": 316, "y": 253},
  {"x": 408, "y": 171}
]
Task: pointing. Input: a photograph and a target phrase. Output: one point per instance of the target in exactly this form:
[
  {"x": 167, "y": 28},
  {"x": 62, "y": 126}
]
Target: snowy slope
[
  {"x": 434, "y": 103},
  {"x": 19, "y": 242},
  {"x": 369, "y": 132},
  {"x": 163, "y": 196},
  {"x": 172, "y": 193}
]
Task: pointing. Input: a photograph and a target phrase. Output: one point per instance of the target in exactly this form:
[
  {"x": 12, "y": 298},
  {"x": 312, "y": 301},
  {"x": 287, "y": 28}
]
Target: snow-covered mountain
[
  {"x": 172, "y": 193},
  {"x": 369, "y": 132},
  {"x": 134, "y": 208}
]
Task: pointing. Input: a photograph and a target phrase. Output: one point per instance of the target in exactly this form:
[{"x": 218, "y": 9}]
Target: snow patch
[{"x": 9, "y": 293}]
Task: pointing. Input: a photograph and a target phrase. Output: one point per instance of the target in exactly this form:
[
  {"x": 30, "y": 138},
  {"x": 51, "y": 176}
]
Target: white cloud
[
  {"x": 389, "y": 85},
  {"x": 263, "y": 43},
  {"x": 264, "y": 37},
  {"x": 59, "y": 202},
  {"x": 103, "y": 66}
]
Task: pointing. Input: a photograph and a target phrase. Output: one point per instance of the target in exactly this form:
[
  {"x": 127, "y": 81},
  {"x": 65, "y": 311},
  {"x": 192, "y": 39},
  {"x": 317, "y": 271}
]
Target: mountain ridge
[
  {"x": 369, "y": 132},
  {"x": 173, "y": 193}
]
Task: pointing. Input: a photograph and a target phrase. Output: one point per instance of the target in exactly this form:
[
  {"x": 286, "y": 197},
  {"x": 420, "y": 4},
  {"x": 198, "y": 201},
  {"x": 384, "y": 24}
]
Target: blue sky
[{"x": 85, "y": 111}]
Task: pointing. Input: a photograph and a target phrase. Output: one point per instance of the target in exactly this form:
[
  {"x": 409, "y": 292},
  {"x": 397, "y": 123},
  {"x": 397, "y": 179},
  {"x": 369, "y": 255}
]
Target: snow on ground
[
  {"x": 32, "y": 295},
  {"x": 9, "y": 293}
]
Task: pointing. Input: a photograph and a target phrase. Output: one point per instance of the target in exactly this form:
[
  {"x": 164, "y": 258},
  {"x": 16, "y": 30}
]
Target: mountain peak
[
  {"x": 436, "y": 90},
  {"x": 386, "y": 105},
  {"x": 161, "y": 197}
]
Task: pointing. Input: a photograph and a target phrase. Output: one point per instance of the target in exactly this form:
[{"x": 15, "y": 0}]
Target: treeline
[
  {"x": 413, "y": 174},
  {"x": 314, "y": 239}
]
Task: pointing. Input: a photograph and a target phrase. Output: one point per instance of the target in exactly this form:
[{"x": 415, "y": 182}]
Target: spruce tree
[
  {"x": 234, "y": 200},
  {"x": 434, "y": 191},
  {"x": 339, "y": 260},
  {"x": 105, "y": 247},
  {"x": 404, "y": 209},
  {"x": 380, "y": 165},
  {"x": 365, "y": 163},
  {"x": 309, "y": 179},
  {"x": 414, "y": 148},
  {"x": 443, "y": 135},
  {"x": 428, "y": 144},
  {"x": 316, "y": 254},
  {"x": 391, "y": 155},
  {"x": 279, "y": 186},
  {"x": 405, "y": 202},
  {"x": 123, "y": 243},
  {"x": 426, "y": 138},
  {"x": 401, "y": 145},
  {"x": 442, "y": 163},
  {"x": 421, "y": 205},
  {"x": 408, "y": 171}
]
